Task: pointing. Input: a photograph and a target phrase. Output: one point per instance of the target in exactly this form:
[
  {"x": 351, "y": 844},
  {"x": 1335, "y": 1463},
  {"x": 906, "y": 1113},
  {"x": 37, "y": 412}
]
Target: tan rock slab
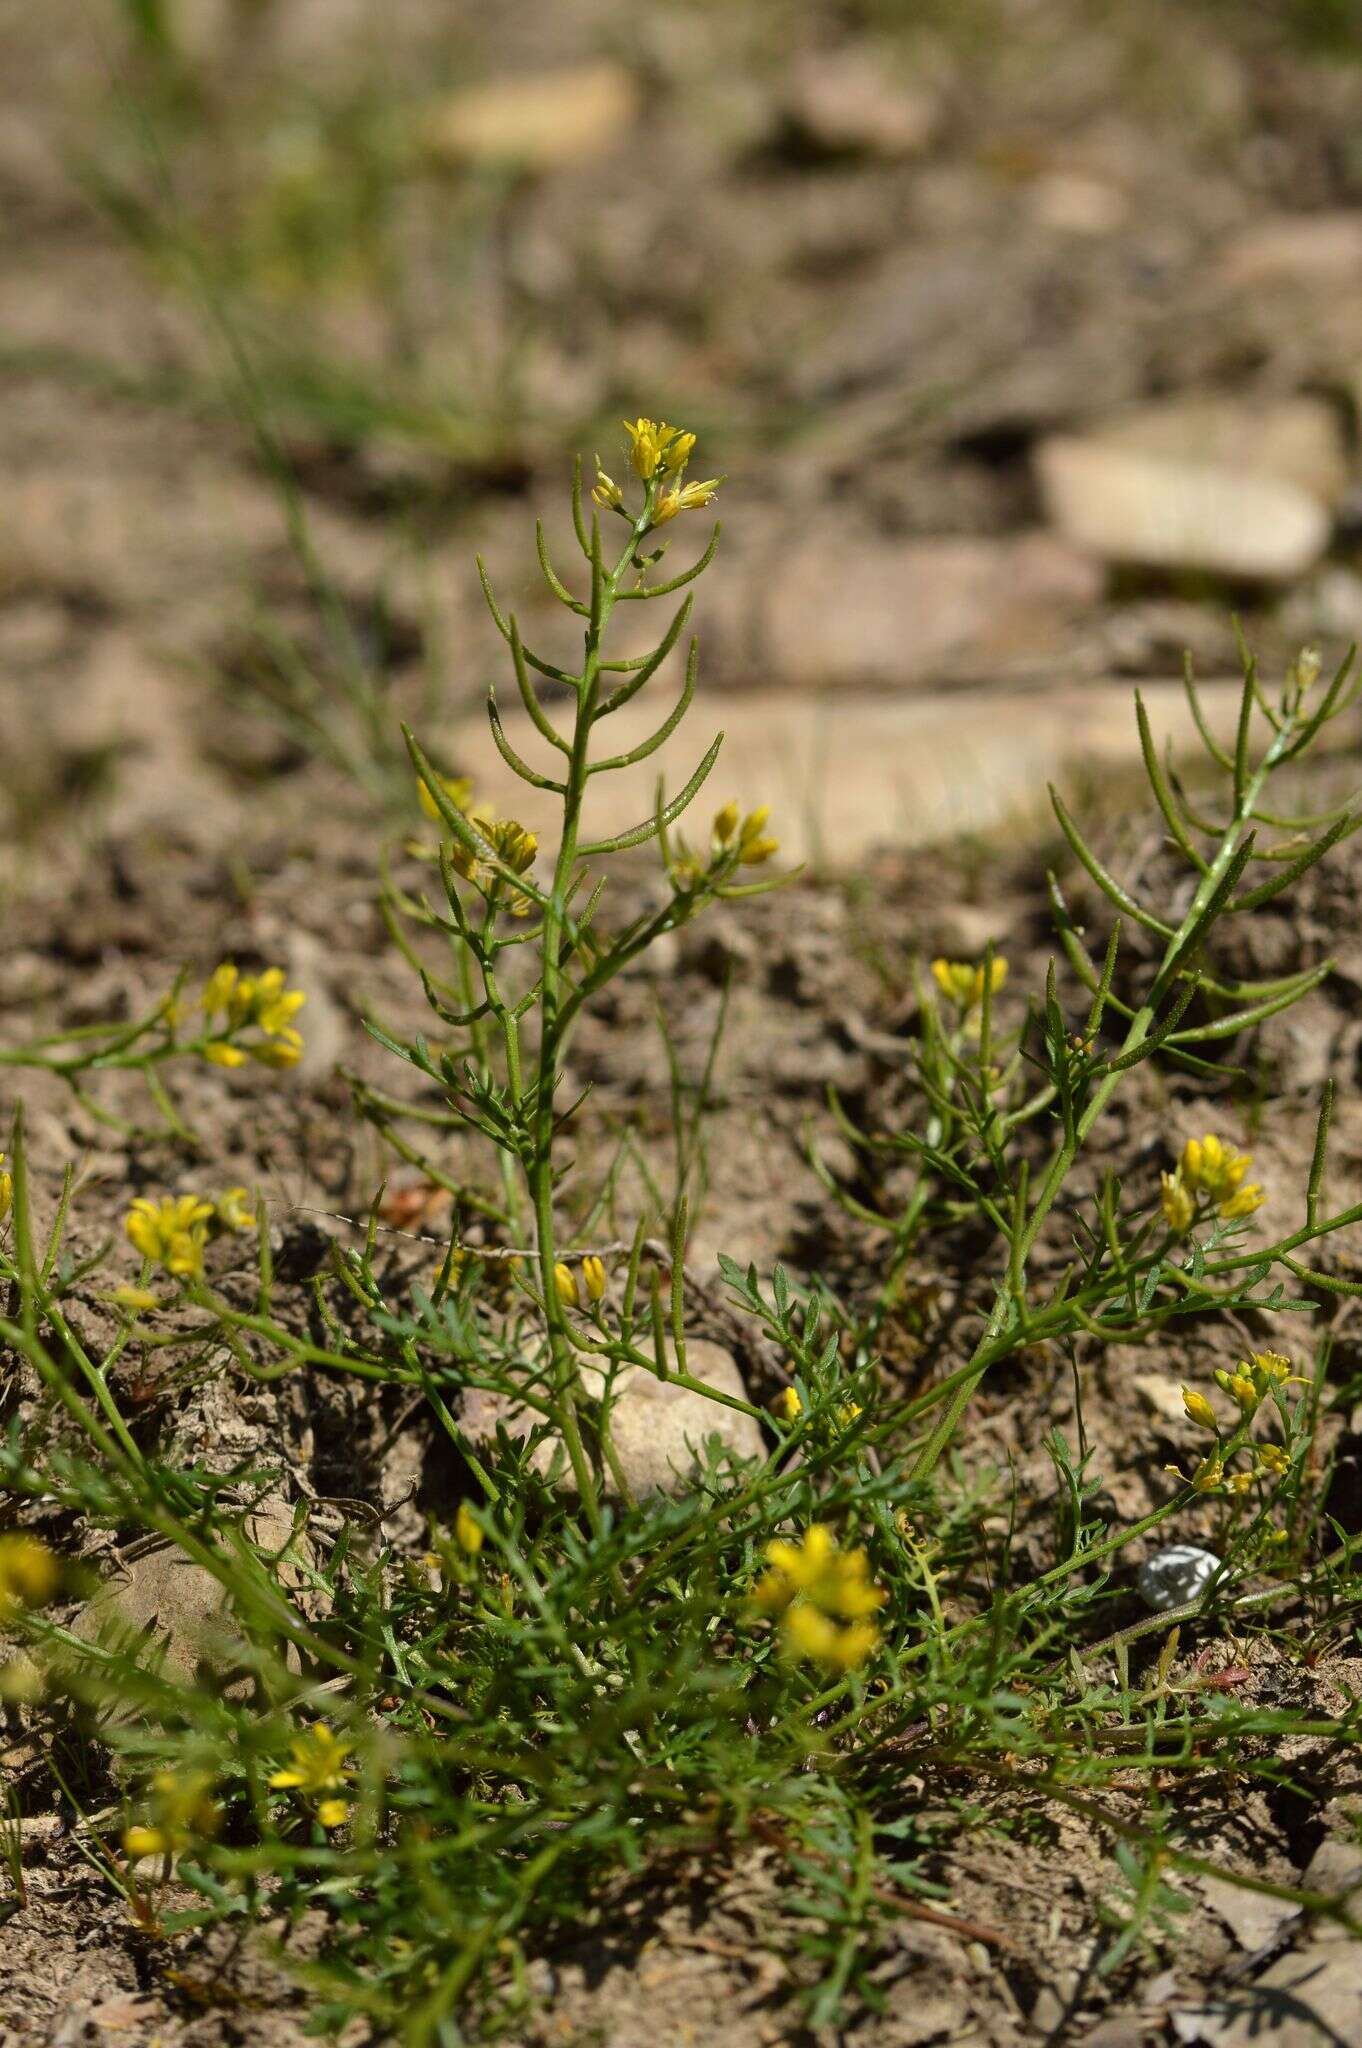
[
  {"x": 539, "y": 122},
  {"x": 876, "y": 612},
  {"x": 177, "y": 1606},
  {"x": 846, "y": 772},
  {"x": 1295, "y": 248},
  {"x": 1308, "y": 1998},
  {"x": 1173, "y": 512},
  {"x": 1161, "y": 1395},
  {"x": 1296, "y": 439},
  {"x": 855, "y": 101}
]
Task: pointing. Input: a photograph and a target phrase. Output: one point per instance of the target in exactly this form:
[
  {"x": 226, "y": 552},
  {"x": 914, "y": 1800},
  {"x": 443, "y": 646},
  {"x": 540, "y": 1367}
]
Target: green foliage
[{"x": 462, "y": 1756}]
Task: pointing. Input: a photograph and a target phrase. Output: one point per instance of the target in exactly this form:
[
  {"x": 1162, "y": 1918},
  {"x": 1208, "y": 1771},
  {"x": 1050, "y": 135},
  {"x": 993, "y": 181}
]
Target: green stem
[{"x": 555, "y": 1011}]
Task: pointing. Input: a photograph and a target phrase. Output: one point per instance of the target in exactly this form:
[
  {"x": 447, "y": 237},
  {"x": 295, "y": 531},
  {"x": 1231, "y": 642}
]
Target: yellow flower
[
  {"x": 789, "y": 1407},
  {"x": 1199, "y": 1409},
  {"x": 1208, "y": 1475},
  {"x": 333, "y": 1813},
  {"x": 677, "y": 447},
  {"x": 29, "y": 1574},
  {"x": 593, "y": 1278},
  {"x": 253, "y": 1001},
  {"x": 653, "y": 445},
  {"x": 139, "y": 1842},
  {"x": 1177, "y": 1204},
  {"x": 284, "y": 1051},
  {"x": 962, "y": 981},
  {"x": 806, "y": 1633},
  {"x": 811, "y": 1586},
  {"x": 183, "y": 1810},
  {"x": 273, "y": 1006},
  {"x": 456, "y": 788},
  {"x": 1272, "y": 1369},
  {"x": 234, "y": 1211},
  {"x": 6, "y": 1188},
  {"x": 1240, "y": 1388},
  {"x": 1239, "y": 1482},
  {"x": 223, "y": 1055},
  {"x": 754, "y": 844},
  {"x": 1209, "y": 1164},
  {"x": 137, "y": 1300},
  {"x": 1272, "y": 1458},
  {"x": 565, "y": 1282},
  {"x": 606, "y": 491},
  {"x": 684, "y": 498},
  {"x": 725, "y": 823},
  {"x": 516, "y": 846},
  {"x": 317, "y": 1765},
  {"x": 171, "y": 1232},
  {"x": 467, "y": 1530},
  {"x": 1304, "y": 670},
  {"x": 217, "y": 990}
]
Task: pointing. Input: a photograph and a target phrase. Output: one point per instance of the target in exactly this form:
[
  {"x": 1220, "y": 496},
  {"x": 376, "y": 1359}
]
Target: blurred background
[{"x": 1027, "y": 333}]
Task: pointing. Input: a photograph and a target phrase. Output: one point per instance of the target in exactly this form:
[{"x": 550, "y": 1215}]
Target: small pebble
[{"x": 1172, "y": 1577}]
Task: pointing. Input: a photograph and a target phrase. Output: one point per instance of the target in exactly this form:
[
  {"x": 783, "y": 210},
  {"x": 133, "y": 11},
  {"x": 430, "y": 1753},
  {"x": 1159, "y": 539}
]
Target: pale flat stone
[
  {"x": 1295, "y": 248},
  {"x": 182, "y": 1612},
  {"x": 1253, "y": 1918},
  {"x": 850, "y": 101},
  {"x": 1076, "y": 203},
  {"x": 1169, "y": 512},
  {"x": 1305, "y": 2000},
  {"x": 1296, "y": 439},
  {"x": 658, "y": 1428},
  {"x": 321, "y": 1020},
  {"x": 896, "y": 613},
  {"x": 1161, "y": 1395},
  {"x": 537, "y": 122}
]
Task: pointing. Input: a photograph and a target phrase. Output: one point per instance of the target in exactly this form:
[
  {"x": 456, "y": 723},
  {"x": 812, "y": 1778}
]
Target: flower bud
[
  {"x": 1199, "y": 1409},
  {"x": 467, "y": 1530},
  {"x": 593, "y": 1278},
  {"x": 565, "y": 1281}
]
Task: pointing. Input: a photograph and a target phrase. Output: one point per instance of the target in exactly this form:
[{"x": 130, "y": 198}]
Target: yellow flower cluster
[
  {"x": 183, "y": 1811},
  {"x": 962, "y": 982},
  {"x": 1248, "y": 1383},
  {"x": 507, "y": 838},
  {"x": 746, "y": 836},
  {"x": 1253, "y": 1378},
  {"x": 823, "y": 1598},
  {"x": 317, "y": 1767},
  {"x": 173, "y": 1232},
  {"x": 659, "y": 454},
  {"x": 571, "y": 1289},
  {"x": 6, "y": 1188},
  {"x": 654, "y": 446},
  {"x": 29, "y": 1575},
  {"x": 1211, "y": 1169},
  {"x": 252, "y": 1002},
  {"x": 170, "y": 1233}
]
